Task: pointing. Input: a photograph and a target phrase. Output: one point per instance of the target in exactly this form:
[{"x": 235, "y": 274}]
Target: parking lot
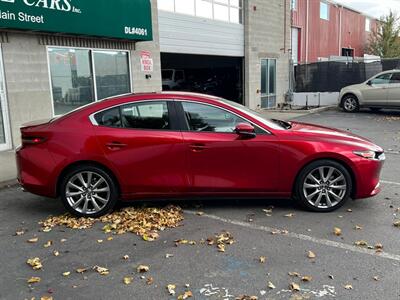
[{"x": 278, "y": 250}]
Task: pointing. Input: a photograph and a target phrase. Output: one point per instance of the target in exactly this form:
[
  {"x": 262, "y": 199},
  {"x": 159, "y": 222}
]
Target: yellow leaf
[
  {"x": 149, "y": 280},
  {"x": 337, "y": 231},
  {"x": 34, "y": 280},
  {"x": 110, "y": 238},
  {"x": 101, "y": 270},
  {"x": 361, "y": 243},
  {"x": 20, "y": 232},
  {"x": 186, "y": 295},
  {"x": 33, "y": 240},
  {"x": 294, "y": 287},
  {"x": 358, "y": 227},
  {"x": 35, "y": 263},
  {"x": 291, "y": 215},
  {"x": 306, "y": 278},
  {"x": 48, "y": 244},
  {"x": 311, "y": 254},
  {"x": 126, "y": 257},
  {"x": 171, "y": 289},
  {"x": 128, "y": 280},
  {"x": 200, "y": 213},
  {"x": 348, "y": 287},
  {"x": 142, "y": 269},
  {"x": 99, "y": 241},
  {"x": 270, "y": 285},
  {"x": 46, "y": 298},
  {"x": 221, "y": 247},
  {"x": 56, "y": 253},
  {"x": 262, "y": 259},
  {"x": 81, "y": 270},
  {"x": 66, "y": 274},
  {"x": 294, "y": 274},
  {"x": 396, "y": 224}
]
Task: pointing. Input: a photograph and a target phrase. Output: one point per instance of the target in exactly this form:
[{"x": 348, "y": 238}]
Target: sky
[{"x": 375, "y": 8}]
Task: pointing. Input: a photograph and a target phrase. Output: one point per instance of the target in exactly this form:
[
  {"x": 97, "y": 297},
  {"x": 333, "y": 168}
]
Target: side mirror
[
  {"x": 245, "y": 130},
  {"x": 369, "y": 82}
]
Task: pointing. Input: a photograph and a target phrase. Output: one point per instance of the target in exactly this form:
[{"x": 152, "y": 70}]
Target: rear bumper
[{"x": 34, "y": 171}]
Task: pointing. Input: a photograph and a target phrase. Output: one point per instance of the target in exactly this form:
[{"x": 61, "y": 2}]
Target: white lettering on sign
[
  {"x": 23, "y": 17},
  {"x": 136, "y": 31},
  {"x": 60, "y": 5},
  {"x": 146, "y": 62}
]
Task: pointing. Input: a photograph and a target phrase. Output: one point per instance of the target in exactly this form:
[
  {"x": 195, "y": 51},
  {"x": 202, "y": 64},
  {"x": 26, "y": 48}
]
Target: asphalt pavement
[{"x": 283, "y": 236}]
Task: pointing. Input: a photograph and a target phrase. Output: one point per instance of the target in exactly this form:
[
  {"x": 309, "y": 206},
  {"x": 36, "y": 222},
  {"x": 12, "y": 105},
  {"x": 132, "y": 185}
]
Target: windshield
[
  {"x": 274, "y": 124},
  {"x": 167, "y": 74}
]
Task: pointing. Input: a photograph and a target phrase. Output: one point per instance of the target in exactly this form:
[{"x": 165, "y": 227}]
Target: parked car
[
  {"x": 380, "y": 91},
  {"x": 173, "y": 79},
  {"x": 183, "y": 145}
]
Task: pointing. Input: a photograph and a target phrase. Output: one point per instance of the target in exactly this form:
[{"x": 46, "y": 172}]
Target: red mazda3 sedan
[{"x": 183, "y": 145}]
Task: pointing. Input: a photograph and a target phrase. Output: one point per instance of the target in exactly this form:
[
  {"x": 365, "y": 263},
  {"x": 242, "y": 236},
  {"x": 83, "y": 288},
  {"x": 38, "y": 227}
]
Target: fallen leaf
[
  {"x": 376, "y": 278},
  {"x": 63, "y": 240},
  {"x": 361, "y": 243},
  {"x": 378, "y": 246},
  {"x": 149, "y": 280},
  {"x": 337, "y": 231},
  {"x": 306, "y": 278},
  {"x": 358, "y": 227},
  {"x": 262, "y": 259},
  {"x": 294, "y": 287},
  {"x": 66, "y": 274},
  {"x": 48, "y": 244},
  {"x": 200, "y": 213},
  {"x": 125, "y": 257},
  {"x": 33, "y": 240},
  {"x": 348, "y": 287},
  {"x": 270, "y": 285},
  {"x": 291, "y": 215},
  {"x": 396, "y": 224},
  {"x": 168, "y": 255},
  {"x": 171, "y": 289},
  {"x": 99, "y": 241},
  {"x": 56, "y": 253},
  {"x": 331, "y": 277},
  {"x": 20, "y": 232},
  {"x": 150, "y": 236},
  {"x": 221, "y": 247},
  {"x": 101, "y": 270},
  {"x": 294, "y": 274},
  {"x": 311, "y": 254},
  {"x": 35, "y": 263},
  {"x": 128, "y": 280},
  {"x": 81, "y": 270},
  {"x": 46, "y": 298},
  {"x": 34, "y": 280},
  {"x": 186, "y": 295},
  {"x": 349, "y": 210},
  {"x": 142, "y": 269}
]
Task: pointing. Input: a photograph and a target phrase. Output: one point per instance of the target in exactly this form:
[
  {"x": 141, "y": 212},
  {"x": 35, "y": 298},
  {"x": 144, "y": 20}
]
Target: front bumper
[{"x": 368, "y": 178}]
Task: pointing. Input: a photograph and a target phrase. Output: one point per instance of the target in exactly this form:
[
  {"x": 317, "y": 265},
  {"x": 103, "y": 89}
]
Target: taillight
[{"x": 32, "y": 140}]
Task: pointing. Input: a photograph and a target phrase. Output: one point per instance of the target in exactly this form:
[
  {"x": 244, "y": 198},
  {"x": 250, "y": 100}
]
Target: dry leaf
[
  {"x": 379, "y": 246},
  {"x": 294, "y": 287},
  {"x": 348, "y": 287},
  {"x": 221, "y": 247},
  {"x": 262, "y": 259},
  {"x": 34, "y": 280},
  {"x": 245, "y": 297},
  {"x": 270, "y": 285},
  {"x": 349, "y": 210},
  {"x": 311, "y": 254},
  {"x": 35, "y": 263},
  {"x": 128, "y": 280},
  {"x": 149, "y": 280},
  {"x": 125, "y": 257},
  {"x": 48, "y": 244},
  {"x": 306, "y": 278},
  {"x": 142, "y": 269},
  {"x": 171, "y": 289},
  {"x": 110, "y": 238},
  {"x": 358, "y": 227},
  {"x": 291, "y": 215},
  {"x": 99, "y": 241},
  {"x": 396, "y": 224},
  {"x": 81, "y": 270},
  {"x": 20, "y": 232},
  {"x": 186, "y": 295},
  {"x": 56, "y": 253},
  {"x": 46, "y": 298},
  {"x": 168, "y": 255},
  {"x": 361, "y": 243},
  {"x": 294, "y": 274},
  {"x": 33, "y": 240},
  {"x": 376, "y": 278},
  {"x": 101, "y": 270},
  {"x": 200, "y": 213},
  {"x": 66, "y": 274},
  {"x": 63, "y": 240},
  {"x": 337, "y": 231}
]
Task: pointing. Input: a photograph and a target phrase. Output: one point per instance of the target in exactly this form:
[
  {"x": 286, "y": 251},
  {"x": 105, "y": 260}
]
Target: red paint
[
  {"x": 163, "y": 164},
  {"x": 327, "y": 37}
]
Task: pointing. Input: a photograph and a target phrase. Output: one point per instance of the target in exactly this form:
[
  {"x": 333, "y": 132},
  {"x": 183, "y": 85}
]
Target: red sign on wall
[{"x": 146, "y": 62}]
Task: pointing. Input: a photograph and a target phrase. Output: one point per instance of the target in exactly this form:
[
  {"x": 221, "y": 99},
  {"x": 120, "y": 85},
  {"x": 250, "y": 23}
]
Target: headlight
[{"x": 369, "y": 154}]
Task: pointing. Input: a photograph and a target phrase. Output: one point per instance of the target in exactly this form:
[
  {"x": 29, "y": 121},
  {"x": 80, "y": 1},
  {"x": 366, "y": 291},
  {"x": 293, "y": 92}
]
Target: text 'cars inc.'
[{"x": 182, "y": 145}]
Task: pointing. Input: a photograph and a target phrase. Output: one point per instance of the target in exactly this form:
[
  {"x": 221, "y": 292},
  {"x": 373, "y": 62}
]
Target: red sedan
[{"x": 182, "y": 145}]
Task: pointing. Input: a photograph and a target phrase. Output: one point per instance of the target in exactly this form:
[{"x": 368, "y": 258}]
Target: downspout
[
  {"x": 307, "y": 26},
  {"x": 340, "y": 30}
]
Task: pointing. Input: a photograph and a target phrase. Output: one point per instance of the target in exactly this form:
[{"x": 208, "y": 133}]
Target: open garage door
[{"x": 214, "y": 75}]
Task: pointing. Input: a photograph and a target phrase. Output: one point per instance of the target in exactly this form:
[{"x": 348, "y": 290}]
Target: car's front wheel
[
  {"x": 88, "y": 191},
  {"x": 350, "y": 103},
  {"x": 323, "y": 186}
]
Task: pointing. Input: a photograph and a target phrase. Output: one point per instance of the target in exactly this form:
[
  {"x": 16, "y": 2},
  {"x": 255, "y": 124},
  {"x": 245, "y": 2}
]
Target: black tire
[
  {"x": 300, "y": 189},
  {"x": 107, "y": 183},
  {"x": 375, "y": 109},
  {"x": 350, "y": 103}
]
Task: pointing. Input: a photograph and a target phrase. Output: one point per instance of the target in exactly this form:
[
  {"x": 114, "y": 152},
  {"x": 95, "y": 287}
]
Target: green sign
[{"x": 122, "y": 19}]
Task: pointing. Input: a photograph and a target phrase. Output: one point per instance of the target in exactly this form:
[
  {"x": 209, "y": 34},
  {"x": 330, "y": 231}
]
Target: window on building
[
  {"x": 324, "y": 10},
  {"x": 348, "y": 52},
  {"x": 221, "y": 10},
  {"x": 268, "y": 83},
  {"x": 367, "y": 24},
  {"x": 149, "y": 115},
  {"x": 82, "y": 76},
  {"x": 293, "y": 4},
  {"x": 5, "y": 138},
  {"x": 206, "y": 118}
]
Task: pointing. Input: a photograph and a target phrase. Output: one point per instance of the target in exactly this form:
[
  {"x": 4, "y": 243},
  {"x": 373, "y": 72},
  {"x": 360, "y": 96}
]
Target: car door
[
  {"x": 394, "y": 90},
  {"x": 143, "y": 142},
  {"x": 219, "y": 160},
  {"x": 375, "y": 92}
]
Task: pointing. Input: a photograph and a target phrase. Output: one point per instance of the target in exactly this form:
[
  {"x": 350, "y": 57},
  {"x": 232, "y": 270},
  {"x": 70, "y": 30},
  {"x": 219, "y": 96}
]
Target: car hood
[
  {"x": 352, "y": 87},
  {"x": 333, "y": 135}
]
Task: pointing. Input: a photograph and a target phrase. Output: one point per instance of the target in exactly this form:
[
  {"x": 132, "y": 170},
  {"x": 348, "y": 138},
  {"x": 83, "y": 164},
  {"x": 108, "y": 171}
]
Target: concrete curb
[
  {"x": 8, "y": 184},
  {"x": 303, "y": 111}
]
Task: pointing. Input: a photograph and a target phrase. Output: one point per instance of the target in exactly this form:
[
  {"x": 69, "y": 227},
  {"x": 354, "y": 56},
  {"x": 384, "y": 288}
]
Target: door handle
[
  {"x": 115, "y": 145},
  {"x": 197, "y": 147}
]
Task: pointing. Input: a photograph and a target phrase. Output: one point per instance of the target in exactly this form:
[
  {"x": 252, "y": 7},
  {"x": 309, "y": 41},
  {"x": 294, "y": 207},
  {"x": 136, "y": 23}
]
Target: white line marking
[
  {"x": 390, "y": 182},
  {"x": 303, "y": 237}
]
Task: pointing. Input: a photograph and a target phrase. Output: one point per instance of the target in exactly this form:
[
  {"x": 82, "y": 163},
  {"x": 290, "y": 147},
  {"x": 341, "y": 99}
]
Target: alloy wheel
[
  {"x": 325, "y": 187},
  {"x": 87, "y": 192},
  {"x": 350, "y": 104}
]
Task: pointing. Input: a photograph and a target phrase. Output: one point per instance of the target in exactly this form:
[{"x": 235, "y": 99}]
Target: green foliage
[{"x": 385, "y": 40}]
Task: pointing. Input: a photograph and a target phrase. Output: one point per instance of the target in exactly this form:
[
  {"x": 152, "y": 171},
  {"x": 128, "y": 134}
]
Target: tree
[{"x": 385, "y": 39}]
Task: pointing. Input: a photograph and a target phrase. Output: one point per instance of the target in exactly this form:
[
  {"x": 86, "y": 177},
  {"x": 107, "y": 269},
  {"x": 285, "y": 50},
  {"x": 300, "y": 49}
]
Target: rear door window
[
  {"x": 146, "y": 115},
  {"x": 109, "y": 118}
]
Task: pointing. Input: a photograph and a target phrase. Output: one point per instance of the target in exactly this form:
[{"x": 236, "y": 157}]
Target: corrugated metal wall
[{"x": 194, "y": 35}]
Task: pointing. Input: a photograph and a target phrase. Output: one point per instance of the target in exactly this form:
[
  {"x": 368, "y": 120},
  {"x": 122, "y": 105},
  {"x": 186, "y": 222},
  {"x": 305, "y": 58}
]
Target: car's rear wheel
[
  {"x": 350, "y": 103},
  {"x": 323, "y": 186},
  {"x": 88, "y": 191}
]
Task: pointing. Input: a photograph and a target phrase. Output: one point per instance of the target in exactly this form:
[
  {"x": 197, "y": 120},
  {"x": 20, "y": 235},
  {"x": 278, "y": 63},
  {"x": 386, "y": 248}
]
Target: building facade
[
  {"x": 48, "y": 69},
  {"x": 325, "y": 29}
]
